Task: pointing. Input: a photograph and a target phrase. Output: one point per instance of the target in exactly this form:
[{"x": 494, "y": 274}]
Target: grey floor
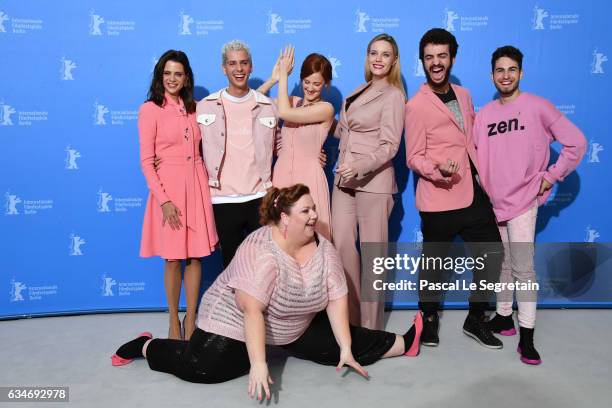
[{"x": 75, "y": 352}]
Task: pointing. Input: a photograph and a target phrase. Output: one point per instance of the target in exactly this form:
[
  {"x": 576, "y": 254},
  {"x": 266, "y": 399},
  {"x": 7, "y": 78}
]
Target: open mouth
[
  {"x": 378, "y": 66},
  {"x": 437, "y": 72}
]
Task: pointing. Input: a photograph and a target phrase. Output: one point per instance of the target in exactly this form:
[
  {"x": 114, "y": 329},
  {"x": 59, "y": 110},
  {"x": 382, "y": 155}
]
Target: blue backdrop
[{"x": 74, "y": 74}]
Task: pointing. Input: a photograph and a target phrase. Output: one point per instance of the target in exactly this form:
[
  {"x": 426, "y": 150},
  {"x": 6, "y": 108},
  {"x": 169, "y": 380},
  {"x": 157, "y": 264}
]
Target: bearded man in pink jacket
[{"x": 450, "y": 200}]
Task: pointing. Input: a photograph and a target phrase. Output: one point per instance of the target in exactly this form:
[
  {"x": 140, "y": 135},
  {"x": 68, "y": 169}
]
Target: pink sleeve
[
  {"x": 336, "y": 281},
  {"x": 254, "y": 271},
  {"x": 416, "y": 147},
  {"x": 571, "y": 138},
  {"x": 477, "y": 130},
  {"x": 147, "y": 132}
]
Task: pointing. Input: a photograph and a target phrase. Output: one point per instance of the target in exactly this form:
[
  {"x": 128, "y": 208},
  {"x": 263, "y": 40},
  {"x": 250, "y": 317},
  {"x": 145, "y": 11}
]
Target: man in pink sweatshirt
[{"x": 512, "y": 136}]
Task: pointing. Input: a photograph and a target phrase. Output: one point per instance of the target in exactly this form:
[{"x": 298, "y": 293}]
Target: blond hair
[{"x": 394, "y": 77}]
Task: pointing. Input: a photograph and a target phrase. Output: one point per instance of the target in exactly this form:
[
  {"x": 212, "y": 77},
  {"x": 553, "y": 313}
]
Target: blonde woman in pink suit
[
  {"x": 178, "y": 221},
  {"x": 307, "y": 123},
  {"x": 370, "y": 129}
]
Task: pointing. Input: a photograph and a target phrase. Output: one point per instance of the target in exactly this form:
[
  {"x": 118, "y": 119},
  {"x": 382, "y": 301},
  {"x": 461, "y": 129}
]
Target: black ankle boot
[
  {"x": 529, "y": 355},
  {"x": 130, "y": 350},
  {"x": 503, "y": 325}
]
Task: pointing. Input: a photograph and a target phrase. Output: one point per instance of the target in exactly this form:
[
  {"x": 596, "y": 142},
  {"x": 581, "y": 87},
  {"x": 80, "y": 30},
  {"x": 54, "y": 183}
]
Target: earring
[{"x": 285, "y": 232}]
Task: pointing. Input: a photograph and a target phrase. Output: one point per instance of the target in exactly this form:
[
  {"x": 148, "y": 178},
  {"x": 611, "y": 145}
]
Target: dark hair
[
  {"x": 278, "y": 201},
  {"x": 317, "y": 63},
  {"x": 507, "y": 51},
  {"x": 438, "y": 36},
  {"x": 156, "y": 90}
]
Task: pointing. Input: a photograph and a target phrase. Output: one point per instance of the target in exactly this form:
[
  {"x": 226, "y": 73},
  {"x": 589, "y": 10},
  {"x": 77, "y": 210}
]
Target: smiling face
[
  {"x": 174, "y": 78},
  {"x": 312, "y": 86},
  {"x": 506, "y": 77},
  {"x": 381, "y": 59},
  {"x": 237, "y": 68},
  {"x": 437, "y": 64},
  {"x": 301, "y": 220}
]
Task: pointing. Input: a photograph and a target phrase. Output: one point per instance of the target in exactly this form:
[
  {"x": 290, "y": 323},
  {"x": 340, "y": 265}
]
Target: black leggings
[{"x": 211, "y": 358}]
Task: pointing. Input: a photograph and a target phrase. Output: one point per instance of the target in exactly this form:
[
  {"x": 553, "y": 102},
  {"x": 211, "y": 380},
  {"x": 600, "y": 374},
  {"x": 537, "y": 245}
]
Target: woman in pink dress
[
  {"x": 306, "y": 125},
  {"x": 178, "y": 222}
]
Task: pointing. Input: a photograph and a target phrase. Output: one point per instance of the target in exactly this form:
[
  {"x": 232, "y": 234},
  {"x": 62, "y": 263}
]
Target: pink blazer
[
  {"x": 370, "y": 134},
  {"x": 433, "y": 136}
]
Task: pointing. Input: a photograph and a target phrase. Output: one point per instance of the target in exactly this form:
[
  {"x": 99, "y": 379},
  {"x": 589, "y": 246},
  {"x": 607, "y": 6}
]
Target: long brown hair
[{"x": 156, "y": 90}]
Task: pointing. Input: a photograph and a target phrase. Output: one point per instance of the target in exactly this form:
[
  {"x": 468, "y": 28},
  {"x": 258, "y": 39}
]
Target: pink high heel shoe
[
  {"x": 414, "y": 349},
  {"x": 119, "y": 361}
]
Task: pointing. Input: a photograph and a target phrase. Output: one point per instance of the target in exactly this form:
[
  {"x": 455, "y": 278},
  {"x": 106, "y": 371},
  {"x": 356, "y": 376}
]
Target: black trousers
[
  {"x": 211, "y": 358},
  {"x": 477, "y": 226},
  {"x": 234, "y": 222}
]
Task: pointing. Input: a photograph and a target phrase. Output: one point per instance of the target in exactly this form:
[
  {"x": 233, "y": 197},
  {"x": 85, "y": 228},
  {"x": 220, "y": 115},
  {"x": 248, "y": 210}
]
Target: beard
[{"x": 443, "y": 84}]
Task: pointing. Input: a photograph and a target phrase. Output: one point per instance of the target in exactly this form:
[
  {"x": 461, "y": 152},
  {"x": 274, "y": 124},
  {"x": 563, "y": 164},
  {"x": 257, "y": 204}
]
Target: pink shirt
[
  {"x": 292, "y": 293},
  {"x": 238, "y": 173},
  {"x": 512, "y": 141}
]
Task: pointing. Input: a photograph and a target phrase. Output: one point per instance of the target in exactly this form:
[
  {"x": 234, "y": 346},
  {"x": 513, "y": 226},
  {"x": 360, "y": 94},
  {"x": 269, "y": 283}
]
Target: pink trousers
[{"x": 518, "y": 235}]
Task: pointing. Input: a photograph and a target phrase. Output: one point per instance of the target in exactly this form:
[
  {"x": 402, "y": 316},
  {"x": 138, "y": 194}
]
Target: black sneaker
[
  {"x": 431, "y": 326},
  {"x": 503, "y": 325},
  {"x": 480, "y": 331}
]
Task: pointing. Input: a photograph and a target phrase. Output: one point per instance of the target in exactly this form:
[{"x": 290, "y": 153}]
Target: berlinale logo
[
  {"x": 107, "y": 285},
  {"x": 75, "y": 245},
  {"x": 71, "y": 156},
  {"x": 273, "y": 21},
  {"x": 3, "y": 17},
  {"x": 539, "y": 14},
  {"x": 594, "y": 150},
  {"x": 66, "y": 69},
  {"x": 597, "y": 64},
  {"x": 95, "y": 23},
  {"x": 185, "y": 22},
  {"x": 360, "y": 20},
  {"x": 103, "y": 200},
  {"x": 449, "y": 19},
  {"x": 99, "y": 112},
  {"x": 10, "y": 205},
  {"x": 7, "y": 111},
  {"x": 335, "y": 63},
  {"x": 16, "y": 289}
]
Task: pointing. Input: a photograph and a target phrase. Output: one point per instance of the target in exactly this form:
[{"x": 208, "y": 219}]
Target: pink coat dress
[
  {"x": 174, "y": 136},
  {"x": 298, "y": 162}
]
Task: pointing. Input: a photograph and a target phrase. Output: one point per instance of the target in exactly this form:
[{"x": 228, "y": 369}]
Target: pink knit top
[{"x": 293, "y": 293}]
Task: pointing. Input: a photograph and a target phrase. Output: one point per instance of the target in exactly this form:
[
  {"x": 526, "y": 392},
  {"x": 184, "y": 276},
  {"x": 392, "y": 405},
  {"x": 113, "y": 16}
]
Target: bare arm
[
  {"x": 255, "y": 336},
  {"x": 337, "y": 311}
]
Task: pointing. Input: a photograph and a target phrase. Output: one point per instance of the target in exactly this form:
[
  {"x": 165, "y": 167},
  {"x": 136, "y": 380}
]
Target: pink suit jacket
[
  {"x": 433, "y": 136},
  {"x": 370, "y": 134}
]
